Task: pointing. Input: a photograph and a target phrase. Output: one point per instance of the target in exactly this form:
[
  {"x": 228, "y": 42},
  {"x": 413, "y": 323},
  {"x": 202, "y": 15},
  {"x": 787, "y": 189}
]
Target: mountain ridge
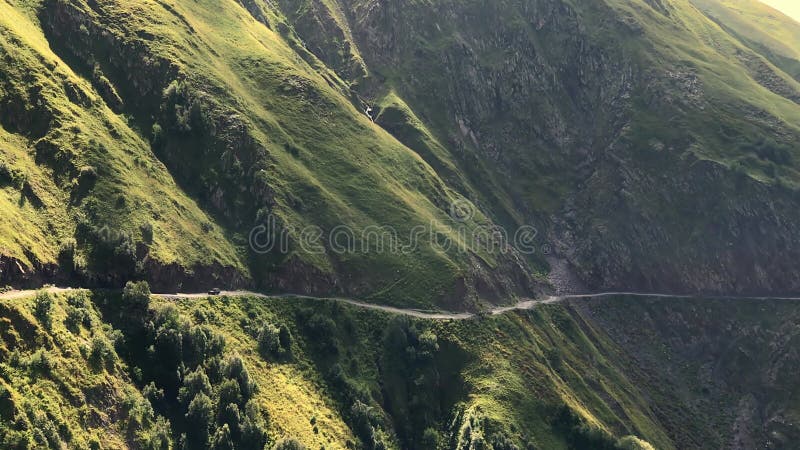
[
  {"x": 618, "y": 131},
  {"x": 387, "y": 162}
]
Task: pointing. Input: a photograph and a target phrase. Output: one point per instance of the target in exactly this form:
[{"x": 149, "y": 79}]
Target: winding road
[{"x": 430, "y": 315}]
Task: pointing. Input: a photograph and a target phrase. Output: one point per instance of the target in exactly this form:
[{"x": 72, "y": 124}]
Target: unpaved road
[
  {"x": 10, "y": 295},
  {"x": 346, "y": 301},
  {"x": 431, "y": 315}
]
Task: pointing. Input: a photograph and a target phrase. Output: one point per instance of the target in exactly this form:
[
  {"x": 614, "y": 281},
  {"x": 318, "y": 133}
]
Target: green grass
[
  {"x": 610, "y": 365},
  {"x": 32, "y": 223},
  {"x": 760, "y": 27},
  {"x": 622, "y": 96},
  {"x": 132, "y": 189},
  {"x": 502, "y": 363}
]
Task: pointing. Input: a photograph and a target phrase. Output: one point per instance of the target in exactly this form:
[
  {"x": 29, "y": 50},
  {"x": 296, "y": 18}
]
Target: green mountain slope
[
  {"x": 379, "y": 150},
  {"x": 647, "y": 146},
  {"x": 80, "y": 186},
  {"x": 253, "y": 131},
  {"x": 62, "y": 383},
  {"x": 760, "y": 27},
  {"x": 245, "y": 372}
]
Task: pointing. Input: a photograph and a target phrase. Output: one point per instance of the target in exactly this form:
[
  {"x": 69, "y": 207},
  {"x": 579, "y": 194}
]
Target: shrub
[
  {"x": 289, "y": 444},
  {"x": 346, "y": 387},
  {"x": 364, "y": 420},
  {"x": 285, "y": 337},
  {"x": 87, "y": 177},
  {"x": 6, "y": 404},
  {"x": 292, "y": 149},
  {"x": 230, "y": 393},
  {"x": 137, "y": 411},
  {"x": 579, "y": 433},
  {"x": 136, "y": 296},
  {"x": 147, "y": 232},
  {"x": 268, "y": 340},
  {"x": 196, "y": 345},
  {"x": 274, "y": 341},
  {"x": 236, "y": 370},
  {"x": 113, "y": 251},
  {"x": 158, "y": 437},
  {"x": 77, "y": 317},
  {"x": 66, "y": 255},
  {"x": 78, "y": 299},
  {"x": 193, "y": 384},
  {"x": 102, "y": 353},
  {"x": 430, "y": 439},
  {"x": 229, "y": 415},
  {"x": 87, "y": 173},
  {"x": 554, "y": 358},
  {"x": 253, "y": 427},
  {"x": 222, "y": 439},
  {"x": 633, "y": 443},
  {"x": 427, "y": 345},
  {"x": 124, "y": 256},
  {"x": 200, "y": 417},
  {"x": 12, "y": 176},
  {"x": 41, "y": 361},
  {"x": 45, "y": 430},
  {"x": 42, "y": 308},
  {"x": 500, "y": 441},
  {"x": 152, "y": 393},
  {"x": 157, "y": 135},
  {"x": 323, "y": 330},
  {"x": 167, "y": 357}
]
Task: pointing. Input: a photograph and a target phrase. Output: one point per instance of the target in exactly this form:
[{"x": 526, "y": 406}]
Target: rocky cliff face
[
  {"x": 642, "y": 166},
  {"x": 732, "y": 388}
]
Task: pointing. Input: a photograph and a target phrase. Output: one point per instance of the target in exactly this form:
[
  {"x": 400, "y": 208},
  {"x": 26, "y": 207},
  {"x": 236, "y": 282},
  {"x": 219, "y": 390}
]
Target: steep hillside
[
  {"x": 80, "y": 187},
  {"x": 761, "y": 28},
  {"x": 252, "y": 127},
  {"x": 241, "y": 373},
  {"x": 62, "y": 383},
  {"x": 436, "y": 155},
  {"x": 650, "y": 145},
  {"x": 372, "y": 150},
  {"x": 718, "y": 373}
]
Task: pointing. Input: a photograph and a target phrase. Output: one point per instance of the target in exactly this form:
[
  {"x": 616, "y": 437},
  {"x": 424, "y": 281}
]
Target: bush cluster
[
  {"x": 150, "y": 430},
  {"x": 274, "y": 341},
  {"x": 112, "y": 252},
  {"x": 412, "y": 379},
  {"x": 12, "y": 176},
  {"x": 136, "y": 296},
  {"x": 102, "y": 353},
  {"x": 77, "y": 312},
  {"x": 42, "y": 308},
  {"x": 768, "y": 149},
  {"x": 207, "y": 394}
]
